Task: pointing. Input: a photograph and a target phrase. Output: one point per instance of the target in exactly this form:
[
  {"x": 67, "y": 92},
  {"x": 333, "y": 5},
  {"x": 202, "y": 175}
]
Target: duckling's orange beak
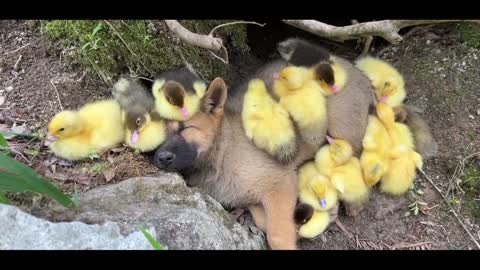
[
  {"x": 384, "y": 99},
  {"x": 135, "y": 137},
  {"x": 50, "y": 139},
  {"x": 276, "y": 75}
]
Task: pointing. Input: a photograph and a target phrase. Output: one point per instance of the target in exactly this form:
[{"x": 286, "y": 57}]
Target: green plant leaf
[
  {"x": 3, "y": 198},
  {"x": 98, "y": 28},
  {"x": 415, "y": 212},
  {"x": 17, "y": 177},
  {"x": 3, "y": 142},
  {"x": 8, "y": 133},
  {"x": 76, "y": 202},
  {"x": 153, "y": 242}
]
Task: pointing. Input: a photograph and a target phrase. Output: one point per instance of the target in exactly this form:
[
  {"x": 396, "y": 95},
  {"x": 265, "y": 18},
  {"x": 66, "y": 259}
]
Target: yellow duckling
[
  {"x": 400, "y": 135},
  {"x": 304, "y": 101},
  {"x": 331, "y": 76},
  {"x": 145, "y": 130},
  {"x": 334, "y": 154},
  {"x": 267, "y": 123},
  {"x": 93, "y": 129},
  {"x": 142, "y": 132},
  {"x": 401, "y": 173},
  {"x": 348, "y": 181},
  {"x": 376, "y": 147},
  {"x": 174, "y": 102},
  {"x": 315, "y": 189},
  {"x": 387, "y": 81},
  {"x": 403, "y": 159},
  {"x": 317, "y": 224}
]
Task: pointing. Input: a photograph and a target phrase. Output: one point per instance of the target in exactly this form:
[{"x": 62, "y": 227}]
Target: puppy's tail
[{"x": 425, "y": 144}]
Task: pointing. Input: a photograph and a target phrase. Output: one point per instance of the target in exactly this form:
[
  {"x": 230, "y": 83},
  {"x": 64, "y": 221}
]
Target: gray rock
[
  {"x": 24, "y": 231},
  {"x": 181, "y": 217}
]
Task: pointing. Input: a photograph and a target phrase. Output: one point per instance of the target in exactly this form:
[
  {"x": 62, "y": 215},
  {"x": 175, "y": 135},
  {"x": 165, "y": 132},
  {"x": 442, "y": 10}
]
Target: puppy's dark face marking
[{"x": 175, "y": 154}]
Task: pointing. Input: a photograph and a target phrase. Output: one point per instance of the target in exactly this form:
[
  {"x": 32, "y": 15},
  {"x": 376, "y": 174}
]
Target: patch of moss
[
  {"x": 141, "y": 191},
  {"x": 471, "y": 185},
  {"x": 140, "y": 47},
  {"x": 469, "y": 33}
]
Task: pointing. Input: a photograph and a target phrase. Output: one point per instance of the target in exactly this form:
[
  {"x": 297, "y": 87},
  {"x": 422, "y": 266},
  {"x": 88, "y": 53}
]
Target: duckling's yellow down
[{"x": 94, "y": 128}]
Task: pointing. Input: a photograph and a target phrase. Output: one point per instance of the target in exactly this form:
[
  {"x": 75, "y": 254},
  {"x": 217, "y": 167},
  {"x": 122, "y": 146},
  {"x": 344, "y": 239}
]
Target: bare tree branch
[
  {"x": 208, "y": 42},
  {"x": 203, "y": 41},
  {"x": 387, "y": 29},
  {"x": 368, "y": 41}
]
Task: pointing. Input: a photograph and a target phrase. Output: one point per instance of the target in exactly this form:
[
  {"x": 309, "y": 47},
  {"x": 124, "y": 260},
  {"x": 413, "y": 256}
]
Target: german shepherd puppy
[{"x": 212, "y": 151}]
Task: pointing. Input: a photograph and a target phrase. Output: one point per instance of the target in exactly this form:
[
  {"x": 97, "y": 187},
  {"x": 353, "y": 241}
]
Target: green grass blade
[
  {"x": 13, "y": 133},
  {"x": 153, "y": 242},
  {"x": 3, "y": 142},
  {"x": 17, "y": 177},
  {"x": 3, "y": 198},
  {"x": 98, "y": 28}
]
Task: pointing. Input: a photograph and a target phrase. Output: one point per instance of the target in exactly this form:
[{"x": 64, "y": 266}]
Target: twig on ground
[
  {"x": 344, "y": 230},
  {"x": 58, "y": 95},
  {"x": 17, "y": 63},
  {"x": 21, "y": 48}
]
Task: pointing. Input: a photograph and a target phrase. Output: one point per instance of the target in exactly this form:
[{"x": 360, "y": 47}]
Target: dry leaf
[
  {"x": 65, "y": 163},
  {"x": 82, "y": 179},
  {"x": 40, "y": 168},
  {"x": 56, "y": 176},
  {"x": 2, "y": 100},
  {"x": 117, "y": 149},
  {"x": 20, "y": 129},
  {"x": 110, "y": 159},
  {"x": 53, "y": 168},
  {"x": 109, "y": 174},
  {"x": 49, "y": 162}
]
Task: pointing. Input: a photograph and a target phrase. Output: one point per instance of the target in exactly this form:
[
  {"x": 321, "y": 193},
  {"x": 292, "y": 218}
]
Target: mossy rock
[
  {"x": 141, "y": 47},
  {"x": 469, "y": 33}
]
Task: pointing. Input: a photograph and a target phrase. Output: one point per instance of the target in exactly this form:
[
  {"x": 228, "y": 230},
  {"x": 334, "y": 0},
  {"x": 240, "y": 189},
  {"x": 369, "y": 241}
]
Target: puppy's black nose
[{"x": 165, "y": 158}]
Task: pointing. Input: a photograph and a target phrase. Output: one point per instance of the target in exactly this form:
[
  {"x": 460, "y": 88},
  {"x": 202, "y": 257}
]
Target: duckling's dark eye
[
  {"x": 138, "y": 122},
  {"x": 62, "y": 129}
]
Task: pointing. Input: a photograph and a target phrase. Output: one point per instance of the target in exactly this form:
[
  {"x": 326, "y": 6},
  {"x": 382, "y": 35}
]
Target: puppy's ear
[
  {"x": 174, "y": 93},
  {"x": 215, "y": 97},
  {"x": 324, "y": 72}
]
